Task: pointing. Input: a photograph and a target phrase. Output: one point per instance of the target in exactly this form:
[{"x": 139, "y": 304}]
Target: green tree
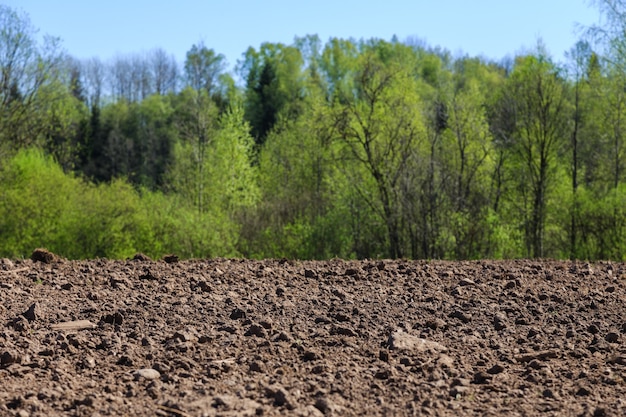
[
  {"x": 274, "y": 86},
  {"x": 467, "y": 152},
  {"x": 197, "y": 122},
  {"x": 26, "y": 69},
  {"x": 536, "y": 88},
  {"x": 580, "y": 57},
  {"x": 203, "y": 68},
  {"x": 211, "y": 169},
  {"x": 380, "y": 127}
]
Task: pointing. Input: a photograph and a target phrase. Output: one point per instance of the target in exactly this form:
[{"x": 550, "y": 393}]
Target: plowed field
[{"x": 237, "y": 337}]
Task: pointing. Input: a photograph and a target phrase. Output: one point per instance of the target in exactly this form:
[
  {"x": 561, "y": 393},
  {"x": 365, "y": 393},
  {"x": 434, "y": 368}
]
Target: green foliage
[
  {"x": 274, "y": 86},
  {"x": 603, "y": 224},
  {"x": 34, "y": 195},
  {"x": 203, "y": 68},
  {"x": 351, "y": 149},
  {"x": 40, "y": 206}
]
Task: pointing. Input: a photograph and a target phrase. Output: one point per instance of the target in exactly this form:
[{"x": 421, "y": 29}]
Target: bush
[{"x": 41, "y": 206}]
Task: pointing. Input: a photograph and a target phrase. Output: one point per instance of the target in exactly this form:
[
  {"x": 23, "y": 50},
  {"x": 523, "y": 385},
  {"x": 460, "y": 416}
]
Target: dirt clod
[
  {"x": 32, "y": 313},
  {"x": 141, "y": 257},
  {"x": 170, "y": 259},
  {"x": 43, "y": 255}
]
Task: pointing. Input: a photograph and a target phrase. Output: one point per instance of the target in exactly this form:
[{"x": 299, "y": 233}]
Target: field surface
[{"x": 231, "y": 337}]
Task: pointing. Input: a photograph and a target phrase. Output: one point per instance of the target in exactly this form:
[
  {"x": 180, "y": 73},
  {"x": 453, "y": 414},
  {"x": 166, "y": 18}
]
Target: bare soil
[{"x": 235, "y": 337}]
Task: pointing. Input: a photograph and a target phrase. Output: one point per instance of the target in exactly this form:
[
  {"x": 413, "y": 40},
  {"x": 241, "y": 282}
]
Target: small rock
[
  {"x": 237, "y": 314},
  {"x": 255, "y": 330},
  {"x": 147, "y": 373},
  {"x": 125, "y": 361},
  {"x": 310, "y": 355},
  {"x": 445, "y": 361},
  {"x": 281, "y": 337},
  {"x": 88, "y": 362},
  {"x": 532, "y": 332},
  {"x": 612, "y": 337},
  {"x": 322, "y": 320},
  {"x": 73, "y": 325},
  {"x": 115, "y": 318},
  {"x": 183, "y": 337},
  {"x": 318, "y": 369},
  {"x": 161, "y": 367},
  {"x": 20, "y": 324},
  {"x": 466, "y": 282},
  {"x": 521, "y": 321},
  {"x": 340, "y": 317},
  {"x": 309, "y": 273},
  {"x": 227, "y": 329},
  {"x": 7, "y": 358},
  {"x": 280, "y": 398},
  {"x": 460, "y": 382},
  {"x": 279, "y": 394},
  {"x": 600, "y": 412},
  {"x": 343, "y": 331},
  {"x": 308, "y": 411},
  {"x": 458, "y": 391},
  {"x": 547, "y": 393},
  {"x": 499, "y": 321},
  {"x": 223, "y": 401},
  {"x": 382, "y": 374},
  {"x": 583, "y": 391},
  {"x": 511, "y": 284},
  {"x": 436, "y": 324},
  {"x": 351, "y": 272},
  {"x": 266, "y": 324},
  {"x": 32, "y": 313},
  {"x": 619, "y": 359},
  {"x": 399, "y": 340},
  {"x": 461, "y": 315},
  {"x": 6, "y": 264},
  {"x": 495, "y": 369},
  {"x": 148, "y": 275},
  {"x": 256, "y": 366},
  {"x": 323, "y": 405},
  {"x": 481, "y": 378}
]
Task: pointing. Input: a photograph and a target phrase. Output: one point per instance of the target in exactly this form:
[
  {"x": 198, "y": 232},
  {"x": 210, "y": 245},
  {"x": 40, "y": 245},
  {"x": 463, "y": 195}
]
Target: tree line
[{"x": 345, "y": 148}]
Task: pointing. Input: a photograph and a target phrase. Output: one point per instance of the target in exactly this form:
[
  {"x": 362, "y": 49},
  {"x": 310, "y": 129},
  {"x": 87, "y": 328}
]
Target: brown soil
[{"x": 231, "y": 337}]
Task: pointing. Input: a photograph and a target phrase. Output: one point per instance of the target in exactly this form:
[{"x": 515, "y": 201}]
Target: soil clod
[{"x": 43, "y": 255}]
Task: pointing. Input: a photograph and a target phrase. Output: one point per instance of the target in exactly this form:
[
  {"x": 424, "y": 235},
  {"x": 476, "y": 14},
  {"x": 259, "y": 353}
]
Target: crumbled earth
[{"x": 235, "y": 337}]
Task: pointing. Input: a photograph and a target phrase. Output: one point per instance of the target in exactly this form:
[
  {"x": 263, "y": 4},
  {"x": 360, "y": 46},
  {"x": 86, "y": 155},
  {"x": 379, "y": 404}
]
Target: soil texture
[{"x": 228, "y": 337}]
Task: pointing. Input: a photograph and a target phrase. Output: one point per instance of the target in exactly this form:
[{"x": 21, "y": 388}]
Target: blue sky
[{"x": 491, "y": 28}]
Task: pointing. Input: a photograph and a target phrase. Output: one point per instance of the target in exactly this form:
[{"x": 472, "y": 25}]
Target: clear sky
[{"x": 491, "y": 28}]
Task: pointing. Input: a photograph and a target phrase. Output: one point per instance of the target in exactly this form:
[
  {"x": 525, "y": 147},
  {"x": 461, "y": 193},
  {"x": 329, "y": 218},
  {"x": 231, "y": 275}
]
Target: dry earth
[{"x": 234, "y": 337}]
